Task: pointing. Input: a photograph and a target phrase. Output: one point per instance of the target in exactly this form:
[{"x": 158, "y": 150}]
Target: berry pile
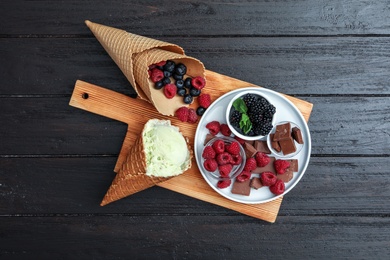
[
  {"x": 222, "y": 156},
  {"x": 259, "y": 112},
  {"x": 171, "y": 77}
]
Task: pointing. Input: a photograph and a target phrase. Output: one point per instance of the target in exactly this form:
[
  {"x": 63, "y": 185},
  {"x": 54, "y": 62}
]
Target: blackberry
[
  {"x": 263, "y": 128},
  {"x": 256, "y": 118},
  {"x": 249, "y": 99},
  {"x": 270, "y": 111},
  {"x": 235, "y": 118}
]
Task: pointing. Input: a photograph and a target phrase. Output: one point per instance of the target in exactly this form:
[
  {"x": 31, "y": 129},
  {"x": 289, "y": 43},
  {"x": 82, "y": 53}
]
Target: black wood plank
[
  {"x": 334, "y": 186},
  {"x": 49, "y": 126},
  {"x": 329, "y": 17},
  {"x": 319, "y": 66},
  {"x": 194, "y": 237}
]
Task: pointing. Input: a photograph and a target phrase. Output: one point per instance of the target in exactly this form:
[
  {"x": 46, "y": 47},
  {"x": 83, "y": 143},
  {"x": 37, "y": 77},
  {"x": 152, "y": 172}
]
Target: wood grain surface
[{"x": 56, "y": 162}]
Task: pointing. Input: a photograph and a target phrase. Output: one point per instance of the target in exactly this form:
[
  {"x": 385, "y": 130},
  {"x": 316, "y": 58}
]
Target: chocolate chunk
[
  {"x": 288, "y": 146},
  {"x": 293, "y": 165},
  {"x": 261, "y": 146},
  {"x": 297, "y": 135},
  {"x": 275, "y": 145},
  {"x": 208, "y": 138},
  {"x": 268, "y": 168},
  {"x": 256, "y": 183},
  {"x": 282, "y": 132},
  {"x": 287, "y": 176},
  {"x": 250, "y": 151},
  {"x": 241, "y": 188}
]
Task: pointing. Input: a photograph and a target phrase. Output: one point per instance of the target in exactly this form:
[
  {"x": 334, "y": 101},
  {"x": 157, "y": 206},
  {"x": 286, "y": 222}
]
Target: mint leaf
[
  {"x": 245, "y": 123},
  {"x": 240, "y": 106}
]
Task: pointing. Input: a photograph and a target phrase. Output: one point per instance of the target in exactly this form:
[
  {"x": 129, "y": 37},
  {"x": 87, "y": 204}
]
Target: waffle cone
[
  {"x": 132, "y": 177},
  {"x": 134, "y": 53}
]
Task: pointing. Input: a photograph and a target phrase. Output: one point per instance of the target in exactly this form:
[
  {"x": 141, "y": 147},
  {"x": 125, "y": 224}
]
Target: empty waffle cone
[
  {"x": 134, "y": 53},
  {"x": 133, "y": 177}
]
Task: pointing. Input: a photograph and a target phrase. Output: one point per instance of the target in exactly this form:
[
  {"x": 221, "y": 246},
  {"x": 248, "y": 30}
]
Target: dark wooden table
[{"x": 56, "y": 162}]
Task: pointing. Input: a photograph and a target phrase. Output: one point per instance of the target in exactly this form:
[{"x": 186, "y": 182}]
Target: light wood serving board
[{"x": 136, "y": 112}]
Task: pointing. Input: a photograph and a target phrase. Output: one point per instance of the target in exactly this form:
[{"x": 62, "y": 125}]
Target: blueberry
[
  {"x": 181, "y": 92},
  {"x": 187, "y": 83},
  {"x": 180, "y": 69},
  {"x": 158, "y": 84},
  {"x": 179, "y": 83},
  {"x": 169, "y": 66},
  {"x": 187, "y": 99},
  {"x": 194, "y": 92},
  {"x": 167, "y": 74},
  {"x": 200, "y": 111},
  {"x": 177, "y": 77},
  {"x": 166, "y": 81}
]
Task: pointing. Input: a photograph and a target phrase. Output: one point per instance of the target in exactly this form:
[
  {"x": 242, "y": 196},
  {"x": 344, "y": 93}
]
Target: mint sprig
[{"x": 245, "y": 122}]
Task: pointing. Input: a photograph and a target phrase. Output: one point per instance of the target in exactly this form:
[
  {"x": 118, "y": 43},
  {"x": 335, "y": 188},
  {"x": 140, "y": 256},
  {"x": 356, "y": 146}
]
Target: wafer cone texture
[
  {"x": 134, "y": 53},
  {"x": 132, "y": 177}
]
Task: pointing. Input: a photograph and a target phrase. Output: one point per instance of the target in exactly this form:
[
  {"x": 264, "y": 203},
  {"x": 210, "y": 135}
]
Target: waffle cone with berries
[{"x": 134, "y": 54}]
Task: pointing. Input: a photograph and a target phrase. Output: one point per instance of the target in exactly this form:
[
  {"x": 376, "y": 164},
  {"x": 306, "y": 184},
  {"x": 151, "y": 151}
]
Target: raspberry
[
  {"x": 182, "y": 114},
  {"x": 156, "y": 75},
  {"x": 268, "y": 178},
  {"x": 204, "y": 100},
  {"x": 198, "y": 82},
  {"x": 233, "y": 148},
  {"x": 214, "y": 127},
  {"x": 208, "y": 153},
  {"x": 281, "y": 166},
  {"x": 243, "y": 176},
  {"x": 210, "y": 165},
  {"x": 192, "y": 116},
  {"x": 262, "y": 159},
  {"x": 219, "y": 146},
  {"x": 250, "y": 164},
  {"x": 225, "y": 130},
  {"x": 170, "y": 90},
  {"x": 224, "y": 184},
  {"x": 224, "y": 170},
  {"x": 236, "y": 159},
  {"x": 278, "y": 188},
  {"x": 224, "y": 158}
]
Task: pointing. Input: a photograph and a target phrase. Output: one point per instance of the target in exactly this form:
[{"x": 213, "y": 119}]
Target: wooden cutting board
[{"x": 136, "y": 112}]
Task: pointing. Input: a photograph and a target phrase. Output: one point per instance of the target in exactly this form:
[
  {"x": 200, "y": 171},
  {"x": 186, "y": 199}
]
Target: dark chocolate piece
[
  {"x": 282, "y": 132},
  {"x": 288, "y": 146},
  {"x": 268, "y": 168},
  {"x": 250, "y": 151},
  {"x": 275, "y": 145},
  {"x": 256, "y": 183},
  {"x": 261, "y": 146},
  {"x": 241, "y": 188},
  {"x": 297, "y": 135}
]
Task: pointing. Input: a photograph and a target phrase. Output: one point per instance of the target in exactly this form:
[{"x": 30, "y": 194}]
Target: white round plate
[{"x": 285, "y": 111}]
